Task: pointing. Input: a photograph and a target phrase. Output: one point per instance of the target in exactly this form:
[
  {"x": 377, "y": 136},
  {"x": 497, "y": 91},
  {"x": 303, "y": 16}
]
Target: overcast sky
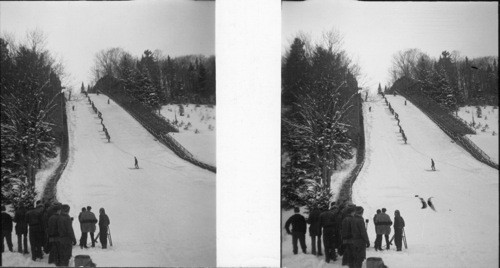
[
  {"x": 77, "y": 30},
  {"x": 374, "y": 31}
]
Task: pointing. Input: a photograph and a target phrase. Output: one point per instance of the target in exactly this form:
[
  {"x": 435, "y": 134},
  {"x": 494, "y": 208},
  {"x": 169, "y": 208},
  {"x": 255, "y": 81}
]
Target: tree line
[
  {"x": 156, "y": 80},
  {"x": 319, "y": 87},
  {"x": 31, "y": 121},
  {"x": 451, "y": 80}
]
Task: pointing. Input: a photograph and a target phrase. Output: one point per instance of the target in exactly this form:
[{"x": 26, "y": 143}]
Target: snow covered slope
[
  {"x": 463, "y": 232},
  {"x": 162, "y": 214}
]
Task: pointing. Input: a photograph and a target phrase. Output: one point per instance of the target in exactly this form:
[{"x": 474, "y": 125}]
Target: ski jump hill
[
  {"x": 162, "y": 214},
  {"x": 463, "y": 231}
]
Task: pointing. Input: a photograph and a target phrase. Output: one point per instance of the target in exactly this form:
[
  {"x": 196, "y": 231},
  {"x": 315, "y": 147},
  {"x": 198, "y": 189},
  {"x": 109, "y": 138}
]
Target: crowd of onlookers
[
  {"x": 50, "y": 230},
  {"x": 344, "y": 232}
]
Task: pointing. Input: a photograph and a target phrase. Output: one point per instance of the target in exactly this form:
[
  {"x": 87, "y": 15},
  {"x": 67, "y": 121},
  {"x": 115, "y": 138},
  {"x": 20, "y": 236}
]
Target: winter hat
[
  {"x": 89, "y": 208},
  {"x": 384, "y": 210},
  {"x": 359, "y": 210},
  {"x": 84, "y": 209},
  {"x": 296, "y": 210},
  {"x": 65, "y": 208},
  {"x": 378, "y": 211},
  {"x": 101, "y": 210},
  {"x": 396, "y": 212}
]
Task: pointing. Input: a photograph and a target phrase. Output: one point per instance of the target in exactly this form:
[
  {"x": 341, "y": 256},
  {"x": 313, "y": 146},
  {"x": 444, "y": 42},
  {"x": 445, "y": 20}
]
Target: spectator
[
  {"x": 21, "y": 229},
  {"x": 347, "y": 237},
  {"x": 299, "y": 228},
  {"x": 66, "y": 236},
  {"x": 136, "y": 162},
  {"x": 6, "y": 229},
  {"x": 103, "y": 227},
  {"x": 36, "y": 232},
  {"x": 359, "y": 238},
  {"x": 378, "y": 239},
  {"x": 315, "y": 231},
  {"x": 329, "y": 225},
  {"x": 433, "y": 166},
  {"x": 88, "y": 226},
  {"x": 383, "y": 228},
  {"x": 53, "y": 234},
  {"x": 82, "y": 245},
  {"x": 399, "y": 224}
]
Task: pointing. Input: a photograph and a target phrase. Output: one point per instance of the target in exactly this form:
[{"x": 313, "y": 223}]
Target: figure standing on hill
[
  {"x": 383, "y": 227},
  {"x": 299, "y": 228},
  {"x": 329, "y": 224},
  {"x": 433, "y": 166},
  {"x": 73, "y": 107},
  {"x": 6, "y": 229},
  {"x": 88, "y": 226},
  {"x": 21, "y": 229},
  {"x": 81, "y": 228},
  {"x": 315, "y": 231},
  {"x": 359, "y": 238},
  {"x": 405, "y": 102},
  {"x": 103, "y": 227},
  {"x": 347, "y": 236},
  {"x": 36, "y": 234},
  {"x": 136, "y": 162},
  {"x": 53, "y": 234},
  {"x": 66, "y": 236},
  {"x": 399, "y": 224},
  {"x": 108, "y": 101},
  {"x": 369, "y": 109}
]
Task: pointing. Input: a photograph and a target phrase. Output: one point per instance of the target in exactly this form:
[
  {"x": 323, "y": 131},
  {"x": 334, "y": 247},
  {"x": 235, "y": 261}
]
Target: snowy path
[
  {"x": 162, "y": 214},
  {"x": 464, "y": 230}
]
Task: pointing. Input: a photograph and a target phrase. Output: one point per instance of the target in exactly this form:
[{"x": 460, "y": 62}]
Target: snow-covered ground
[
  {"x": 162, "y": 214},
  {"x": 196, "y": 129},
  {"x": 47, "y": 170},
  {"x": 463, "y": 232},
  {"x": 485, "y": 127}
]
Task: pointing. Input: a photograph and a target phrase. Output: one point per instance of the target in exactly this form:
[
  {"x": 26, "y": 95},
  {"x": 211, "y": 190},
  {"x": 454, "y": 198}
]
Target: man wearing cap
[
  {"x": 383, "y": 227},
  {"x": 53, "y": 234},
  {"x": 329, "y": 225},
  {"x": 88, "y": 221},
  {"x": 315, "y": 231},
  {"x": 103, "y": 227},
  {"x": 399, "y": 224},
  {"x": 299, "y": 228},
  {"x": 36, "y": 232},
  {"x": 347, "y": 235},
  {"x": 66, "y": 236},
  {"x": 359, "y": 238}
]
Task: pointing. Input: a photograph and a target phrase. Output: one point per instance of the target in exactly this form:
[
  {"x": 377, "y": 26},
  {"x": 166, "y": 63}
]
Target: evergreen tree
[
  {"x": 379, "y": 90},
  {"x": 295, "y": 72}
]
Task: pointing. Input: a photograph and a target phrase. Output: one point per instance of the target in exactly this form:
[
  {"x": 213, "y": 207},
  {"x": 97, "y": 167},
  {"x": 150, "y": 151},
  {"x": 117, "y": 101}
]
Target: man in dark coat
[
  {"x": 136, "y": 162},
  {"x": 433, "y": 165},
  {"x": 299, "y": 228},
  {"x": 315, "y": 231},
  {"x": 6, "y": 229},
  {"x": 36, "y": 232},
  {"x": 21, "y": 229},
  {"x": 53, "y": 234},
  {"x": 103, "y": 227},
  {"x": 384, "y": 228},
  {"x": 66, "y": 236},
  {"x": 81, "y": 228},
  {"x": 399, "y": 224},
  {"x": 51, "y": 210},
  {"x": 378, "y": 239},
  {"x": 329, "y": 224},
  {"x": 359, "y": 238},
  {"x": 347, "y": 236}
]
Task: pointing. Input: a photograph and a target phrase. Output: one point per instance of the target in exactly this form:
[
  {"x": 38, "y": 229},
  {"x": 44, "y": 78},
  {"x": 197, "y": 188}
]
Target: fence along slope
[
  {"x": 453, "y": 126},
  {"x": 155, "y": 124}
]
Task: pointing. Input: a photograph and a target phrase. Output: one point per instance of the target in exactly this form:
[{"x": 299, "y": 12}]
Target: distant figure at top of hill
[
  {"x": 433, "y": 166},
  {"x": 136, "y": 162}
]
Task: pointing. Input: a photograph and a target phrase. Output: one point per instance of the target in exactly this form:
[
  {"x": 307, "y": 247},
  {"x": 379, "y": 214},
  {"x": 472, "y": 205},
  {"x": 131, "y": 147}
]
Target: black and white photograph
[
  {"x": 108, "y": 136},
  {"x": 389, "y": 134}
]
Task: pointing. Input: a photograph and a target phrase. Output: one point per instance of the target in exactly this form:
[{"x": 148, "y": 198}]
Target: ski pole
[
  {"x": 404, "y": 239},
  {"x": 109, "y": 235}
]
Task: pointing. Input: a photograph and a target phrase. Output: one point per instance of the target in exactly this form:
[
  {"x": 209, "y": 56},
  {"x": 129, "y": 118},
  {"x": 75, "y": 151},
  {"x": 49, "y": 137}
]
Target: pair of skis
[
  {"x": 404, "y": 239},
  {"x": 109, "y": 237}
]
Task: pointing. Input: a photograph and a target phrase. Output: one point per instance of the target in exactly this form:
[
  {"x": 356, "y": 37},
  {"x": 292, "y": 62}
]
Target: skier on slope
[
  {"x": 433, "y": 166},
  {"x": 399, "y": 224},
  {"x": 299, "y": 228}
]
